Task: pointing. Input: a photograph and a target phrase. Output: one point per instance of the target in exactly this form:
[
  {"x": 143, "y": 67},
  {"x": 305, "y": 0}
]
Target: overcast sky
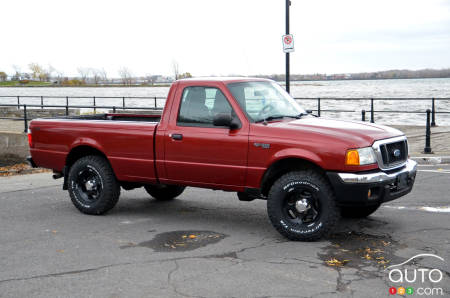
[{"x": 225, "y": 37}]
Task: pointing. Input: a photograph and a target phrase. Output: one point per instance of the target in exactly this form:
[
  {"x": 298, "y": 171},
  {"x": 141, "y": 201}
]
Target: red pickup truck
[{"x": 234, "y": 134}]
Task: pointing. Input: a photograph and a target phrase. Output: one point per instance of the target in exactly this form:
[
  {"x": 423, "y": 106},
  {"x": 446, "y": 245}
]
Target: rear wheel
[
  {"x": 301, "y": 205},
  {"x": 162, "y": 192},
  {"x": 358, "y": 212},
  {"x": 92, "y": 185}
]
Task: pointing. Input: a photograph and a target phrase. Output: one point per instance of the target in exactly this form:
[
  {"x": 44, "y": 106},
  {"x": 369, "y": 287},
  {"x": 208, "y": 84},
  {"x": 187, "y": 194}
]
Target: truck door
[{"x": 199, "y": 153}]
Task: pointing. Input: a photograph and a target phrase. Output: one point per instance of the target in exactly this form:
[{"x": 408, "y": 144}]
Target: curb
[{"x": 431, "y": 160}]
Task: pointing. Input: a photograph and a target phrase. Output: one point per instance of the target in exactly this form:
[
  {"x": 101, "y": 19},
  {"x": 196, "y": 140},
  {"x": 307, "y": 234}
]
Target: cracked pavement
[{"x": 49, "y": 249}]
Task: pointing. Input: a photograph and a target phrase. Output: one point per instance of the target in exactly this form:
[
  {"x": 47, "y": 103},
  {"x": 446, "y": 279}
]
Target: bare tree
[
  {"x": 103, "y": 75},
  {"x": 37, "y": 71},
  {"x": 17, "y": 72},
  {"x": 176, "y": 69},
  {"x": 125, "y": 75},
  {"x": 84, "y": 73},
  {"x": 96, "y": 75},
  {"x": 3, "y": 76},
  {"x": 59, "y": 76}
]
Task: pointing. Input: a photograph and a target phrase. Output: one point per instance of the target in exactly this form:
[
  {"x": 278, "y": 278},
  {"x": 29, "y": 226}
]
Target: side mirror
[{"x": 225, "y": 119}]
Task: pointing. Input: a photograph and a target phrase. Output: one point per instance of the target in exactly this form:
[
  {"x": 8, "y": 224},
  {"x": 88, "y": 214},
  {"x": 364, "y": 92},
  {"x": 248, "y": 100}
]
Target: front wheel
[
  {"x": 358, "y": 212},
  {"x": 162, "y": 192},
  {"x": 92, "y": 185},
  {"x": 301, "y": 206}
]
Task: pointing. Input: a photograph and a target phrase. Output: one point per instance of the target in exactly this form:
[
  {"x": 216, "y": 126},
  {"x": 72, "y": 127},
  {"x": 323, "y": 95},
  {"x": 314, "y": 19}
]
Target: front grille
[
  {"x": 391, "y": 153},
  {"x": 394, "y": 153}
]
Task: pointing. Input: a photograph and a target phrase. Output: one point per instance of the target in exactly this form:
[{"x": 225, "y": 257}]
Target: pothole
[
  {"x": 357, "y": 250},
  {"x": 180, "y": 241}
]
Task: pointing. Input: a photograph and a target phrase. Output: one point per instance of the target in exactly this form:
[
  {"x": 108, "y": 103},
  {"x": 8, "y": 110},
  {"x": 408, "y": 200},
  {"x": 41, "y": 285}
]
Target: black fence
[
  {"x": 431, "y": 103},
  {"x": 373, "y": 101}
]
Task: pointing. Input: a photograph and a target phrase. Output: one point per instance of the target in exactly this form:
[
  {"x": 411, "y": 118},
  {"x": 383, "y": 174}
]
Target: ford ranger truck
[{"x": 234, "y": 134}]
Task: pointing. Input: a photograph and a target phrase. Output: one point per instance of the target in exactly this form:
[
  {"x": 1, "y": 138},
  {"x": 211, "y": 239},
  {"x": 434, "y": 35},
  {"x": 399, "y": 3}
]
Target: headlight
[{"x": 360, "y": 157}]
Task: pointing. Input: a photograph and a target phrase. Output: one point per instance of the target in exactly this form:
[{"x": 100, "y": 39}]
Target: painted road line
[
  {"x": 436, "y": 171},
  {"x": 439, "y": 209}
]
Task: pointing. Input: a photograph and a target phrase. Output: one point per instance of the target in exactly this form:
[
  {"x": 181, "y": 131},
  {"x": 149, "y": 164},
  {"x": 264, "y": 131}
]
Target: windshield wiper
[
  {"x": 270, "y": 118},
  {"x": 300, "y": 115}
]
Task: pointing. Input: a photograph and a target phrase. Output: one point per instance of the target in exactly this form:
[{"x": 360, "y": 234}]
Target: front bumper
[{"x": 372, "y": 188}]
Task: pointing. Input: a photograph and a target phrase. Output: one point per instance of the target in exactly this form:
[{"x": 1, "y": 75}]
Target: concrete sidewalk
[{"x": 440, "y": 141}]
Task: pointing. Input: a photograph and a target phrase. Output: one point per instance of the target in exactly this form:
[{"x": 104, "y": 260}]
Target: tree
[
  {"x": 96, "y": 75},
  {"x": 37, "y": 71},
  {"x": 3, "y": 76},
  {"x": 17, "y": 73},
  {"x": 125, "y": 75},
  {"x": 185, "y": 75},
  {"x": 176, "y": 69},
  {"x": 84, "y": 73},
  {"x": 103, "y": 75}
]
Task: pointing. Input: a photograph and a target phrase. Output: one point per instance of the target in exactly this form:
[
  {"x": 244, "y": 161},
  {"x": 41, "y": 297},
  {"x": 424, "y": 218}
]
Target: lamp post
[{"x": 288, "y": 3}]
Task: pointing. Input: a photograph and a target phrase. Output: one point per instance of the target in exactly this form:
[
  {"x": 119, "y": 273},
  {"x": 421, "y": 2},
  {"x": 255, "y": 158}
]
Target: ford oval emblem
[{"x": 397, "y": 152}]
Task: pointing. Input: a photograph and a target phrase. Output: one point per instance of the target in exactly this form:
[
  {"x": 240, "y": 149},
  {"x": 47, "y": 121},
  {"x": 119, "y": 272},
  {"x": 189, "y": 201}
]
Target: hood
[{"x": 354, "y": 133}]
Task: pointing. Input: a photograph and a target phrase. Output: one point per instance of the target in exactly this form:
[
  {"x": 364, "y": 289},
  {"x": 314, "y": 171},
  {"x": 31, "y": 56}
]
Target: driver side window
[{"x": 199, "y": 106}]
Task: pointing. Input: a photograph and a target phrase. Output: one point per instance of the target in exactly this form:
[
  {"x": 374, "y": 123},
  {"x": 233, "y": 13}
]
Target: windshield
[{"x": 265, "y": 100}]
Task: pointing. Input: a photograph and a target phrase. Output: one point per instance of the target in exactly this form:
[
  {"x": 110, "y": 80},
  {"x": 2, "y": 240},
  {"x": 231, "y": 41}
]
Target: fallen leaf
[
  {"x": 192, "y": 236},
  {"x": 336, "y": 262},
  {"x": 60, "y": 250}
]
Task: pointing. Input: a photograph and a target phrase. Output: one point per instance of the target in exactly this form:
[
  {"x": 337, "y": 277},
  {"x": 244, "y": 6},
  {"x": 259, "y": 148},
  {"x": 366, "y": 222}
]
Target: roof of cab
[{"x": 223, "y": 79}]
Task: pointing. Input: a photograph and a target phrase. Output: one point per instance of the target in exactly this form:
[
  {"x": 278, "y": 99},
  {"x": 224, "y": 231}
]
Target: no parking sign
[{"x": 288, "y": 43}]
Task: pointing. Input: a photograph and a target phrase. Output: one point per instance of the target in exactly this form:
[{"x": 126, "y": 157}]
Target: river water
[{"x": 411, "y": 88}]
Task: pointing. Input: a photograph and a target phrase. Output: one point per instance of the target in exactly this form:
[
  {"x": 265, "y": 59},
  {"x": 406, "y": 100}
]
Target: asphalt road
[{"x": 209, "y": 244}]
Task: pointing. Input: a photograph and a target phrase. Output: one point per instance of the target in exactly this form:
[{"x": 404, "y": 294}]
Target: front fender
[{"x": 297, "y": 153}]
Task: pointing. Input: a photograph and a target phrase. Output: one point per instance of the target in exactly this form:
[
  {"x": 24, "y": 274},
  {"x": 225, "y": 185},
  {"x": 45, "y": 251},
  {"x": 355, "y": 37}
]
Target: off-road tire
[
  {"x": 110, "y": 189},
  {"x": 321, "y": 192},
  {"x": 164, "y": 192},
  {"x": 358, "y": 212}
]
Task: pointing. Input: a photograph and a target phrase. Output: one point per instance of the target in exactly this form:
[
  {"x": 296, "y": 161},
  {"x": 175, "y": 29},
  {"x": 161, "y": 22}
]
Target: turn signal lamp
[
  {"x": 360, "y": 157},
  {"x": 352, "y": 158}
]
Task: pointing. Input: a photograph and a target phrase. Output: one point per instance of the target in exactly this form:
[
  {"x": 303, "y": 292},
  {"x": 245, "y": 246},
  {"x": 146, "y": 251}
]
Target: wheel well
[
  {"x": 280, "y": 167},
  {"x": 79, "y": 152}
]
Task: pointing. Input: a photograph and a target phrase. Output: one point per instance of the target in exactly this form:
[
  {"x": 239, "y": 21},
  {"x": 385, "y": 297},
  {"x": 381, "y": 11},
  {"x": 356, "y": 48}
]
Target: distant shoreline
[
  {"x": 84, "y": 86},
  {"x": 281, "y": 82}
]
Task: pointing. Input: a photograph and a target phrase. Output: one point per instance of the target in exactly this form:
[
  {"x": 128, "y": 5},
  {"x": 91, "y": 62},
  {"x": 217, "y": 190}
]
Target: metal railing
[
  {"x": 432, "y": 106},
  {"x": 67, "y": 105},
  {"x": 93, "y": 98},
  {"x": 431, "y": 111}
]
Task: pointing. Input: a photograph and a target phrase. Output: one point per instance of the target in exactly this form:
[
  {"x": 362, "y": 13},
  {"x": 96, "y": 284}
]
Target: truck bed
[
  {"x": 127, "y": 140},
  {"x": 114, "y": 116}
]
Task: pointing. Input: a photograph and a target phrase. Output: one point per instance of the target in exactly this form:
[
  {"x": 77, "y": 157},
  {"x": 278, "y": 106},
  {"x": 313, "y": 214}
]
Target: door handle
[{"x": 177, "y": 136}]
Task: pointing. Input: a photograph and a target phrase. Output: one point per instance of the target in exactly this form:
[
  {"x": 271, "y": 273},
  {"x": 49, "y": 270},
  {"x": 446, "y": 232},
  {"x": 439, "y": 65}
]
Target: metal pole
[
  {"x": 114, "y": 109},
  {"x": 95, "y": 110},
  {"x": 288, "y": 3},
  {"x": 42, "y": 102},
  {"x": 433, "y": 111},
  {"x": 318, "y": 107},
  {"x": 18, "y": 102},
  {"x": 427, "y": 148},
  {"x": 372, "y": 118},
  {"x": 123, "y": 102},
  {"x": 363, "y": 115},
  {"x": 25, "y": 118},
  {"x": 155, "y": 104}
]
